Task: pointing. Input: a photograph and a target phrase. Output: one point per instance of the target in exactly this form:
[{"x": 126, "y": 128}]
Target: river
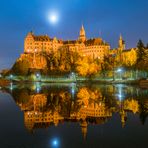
[{"x": 41, "y": 115}]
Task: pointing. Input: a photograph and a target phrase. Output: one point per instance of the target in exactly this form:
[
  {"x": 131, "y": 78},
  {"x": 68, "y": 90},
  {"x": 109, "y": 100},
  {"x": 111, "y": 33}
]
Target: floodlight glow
[
  {"x": 37, "y": 74},
  {"x": 120, "y": 96},
  {"x": 38, "y": 89},
  {"x": 73, "y": 90},
  {"x": 11, "y": 86},
  {"x": 119, "y": 70}
]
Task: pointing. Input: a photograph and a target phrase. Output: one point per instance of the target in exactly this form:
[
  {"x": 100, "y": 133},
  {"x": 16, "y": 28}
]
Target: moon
[{"x": 53, "y": 18}]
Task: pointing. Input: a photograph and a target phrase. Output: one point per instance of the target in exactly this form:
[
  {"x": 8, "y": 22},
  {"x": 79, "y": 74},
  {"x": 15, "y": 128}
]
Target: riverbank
[
  {"x": 5, "y": 82},
  {"x": 99, "y": 81}
]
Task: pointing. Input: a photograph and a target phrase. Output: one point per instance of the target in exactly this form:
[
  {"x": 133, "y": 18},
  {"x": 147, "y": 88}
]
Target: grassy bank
[{"x": 78, "y": 80}]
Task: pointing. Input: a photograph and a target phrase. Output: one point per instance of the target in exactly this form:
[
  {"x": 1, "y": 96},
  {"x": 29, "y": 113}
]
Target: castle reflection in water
[{"x": 47, "y": 105}]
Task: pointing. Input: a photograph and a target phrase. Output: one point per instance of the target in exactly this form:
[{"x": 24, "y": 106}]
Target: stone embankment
[
  {"x": 143, "y": 83},
  {"x": 4, "y": 82}
]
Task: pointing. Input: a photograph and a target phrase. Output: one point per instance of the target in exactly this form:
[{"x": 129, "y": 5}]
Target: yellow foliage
[
  {"x": 87, "y": 67},
  {"x": 131, "y": 105},
  {"x": 85, "y": 96},
  {"x": 129, "y": 58}
]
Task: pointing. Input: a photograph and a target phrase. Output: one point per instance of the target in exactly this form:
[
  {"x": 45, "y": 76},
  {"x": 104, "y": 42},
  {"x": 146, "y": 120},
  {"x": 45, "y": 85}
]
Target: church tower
[
  {"x": 82, "y": 36},
  {"x": 123, "y": 117},
  {"x": 121, "y": 44}
]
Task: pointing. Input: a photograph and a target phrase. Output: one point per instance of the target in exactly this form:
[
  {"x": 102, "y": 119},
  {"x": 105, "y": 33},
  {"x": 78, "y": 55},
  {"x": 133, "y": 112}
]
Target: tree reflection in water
[{"x": 91, "y": 104}]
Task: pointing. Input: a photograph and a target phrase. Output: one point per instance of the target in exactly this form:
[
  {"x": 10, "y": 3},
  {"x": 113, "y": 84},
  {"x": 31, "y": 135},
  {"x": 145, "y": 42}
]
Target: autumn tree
[
  {"x": 107, "y": 65},
  {"x": 87, "y": 95},
  {"x": 87, "y": 67}
]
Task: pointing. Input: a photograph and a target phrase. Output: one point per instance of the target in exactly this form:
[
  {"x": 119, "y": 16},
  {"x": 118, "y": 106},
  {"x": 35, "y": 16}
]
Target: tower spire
[
  {"x": 83, "y": 125},
  {"x": 121, "y": 43},
  {"x": 100, "y": 33},
  {"x": 82, "y": 27},
  {"x": 82, "y": 36},
  {"x": 120, "y": 36}
]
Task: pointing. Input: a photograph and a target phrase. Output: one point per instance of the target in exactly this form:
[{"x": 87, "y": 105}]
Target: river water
[{"x": 73, "y": 115}]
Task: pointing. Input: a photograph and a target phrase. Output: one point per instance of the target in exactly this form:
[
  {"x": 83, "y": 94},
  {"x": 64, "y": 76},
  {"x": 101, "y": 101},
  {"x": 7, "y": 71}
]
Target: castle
[
  {"x": 124, "y": 56},
  {"x": 94, "y": 48}
]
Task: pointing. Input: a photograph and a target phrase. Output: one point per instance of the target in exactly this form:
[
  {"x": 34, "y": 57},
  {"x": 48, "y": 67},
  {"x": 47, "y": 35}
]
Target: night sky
[{"x": 105, "y": 18}]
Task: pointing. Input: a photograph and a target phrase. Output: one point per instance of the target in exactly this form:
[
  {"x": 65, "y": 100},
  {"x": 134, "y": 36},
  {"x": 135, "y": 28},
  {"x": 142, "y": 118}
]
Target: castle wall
[{"x": 94, "y": 48}]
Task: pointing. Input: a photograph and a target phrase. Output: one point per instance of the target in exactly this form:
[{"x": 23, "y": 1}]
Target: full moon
[{"x": 53, "y": 18}]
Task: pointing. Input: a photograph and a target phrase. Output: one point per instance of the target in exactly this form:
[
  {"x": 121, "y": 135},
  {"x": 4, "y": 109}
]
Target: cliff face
[
  {"x": 55, "y": 63},
  {"x": 37, "y": 61},
  {"x": 60, "y": 62},
  {"x": 27, "y": 62}
]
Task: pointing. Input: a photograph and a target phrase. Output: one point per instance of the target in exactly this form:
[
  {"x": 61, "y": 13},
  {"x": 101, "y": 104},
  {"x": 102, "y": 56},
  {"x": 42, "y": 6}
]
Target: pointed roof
[
  {"x": 82, "y": 31},
  {"x": 82, "y": 28},
  {"x": 120, "y": 36},
  {"x": 30, "y": 33}
]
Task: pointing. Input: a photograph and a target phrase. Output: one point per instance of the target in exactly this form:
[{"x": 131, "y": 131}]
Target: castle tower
[
  {"x": 121, "y": 47},
  {"x": 83, "y": 125},
  {"x": 29, "y": 40},
  {"x": 82, "y": 36},
  {"x": 28, "y": 121},
  {"x": 123, "y": 117},
  {"x": 121, "y": 43}
]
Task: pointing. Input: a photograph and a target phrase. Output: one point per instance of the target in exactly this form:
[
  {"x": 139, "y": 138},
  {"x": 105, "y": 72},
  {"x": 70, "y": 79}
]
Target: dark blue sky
[{"x": 111, "y": 17}]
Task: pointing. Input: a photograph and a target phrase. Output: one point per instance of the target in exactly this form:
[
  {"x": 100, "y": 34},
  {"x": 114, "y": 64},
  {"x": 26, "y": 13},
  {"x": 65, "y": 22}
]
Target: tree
[
  {"x": 87, "y": 67},
  {"x": 140, "y": 51},
  {"x": 146, "y": 60},
  {"x": 107, "y": 64},
  {"x": 142, "y": 58},
  {"x": 21, "y": 67},
  {"x": 143, "y": 109},
  {"x": 146, "y": 46}
]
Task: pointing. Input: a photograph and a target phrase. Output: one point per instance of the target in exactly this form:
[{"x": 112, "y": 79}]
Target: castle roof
[
  {"x": 128, "y": 50},
  {"x": 89, "y": 42},
  {"x": 70, "y": 42},
  {"x": 95, "y": 41},
  {"x": 97, "y": 120},
  {"x": 45, "y": 38},
  {"x": 41, "y": 38}
]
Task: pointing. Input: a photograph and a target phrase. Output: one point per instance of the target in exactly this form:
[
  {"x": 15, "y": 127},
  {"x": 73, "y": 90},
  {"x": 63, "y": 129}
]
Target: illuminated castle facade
[
  {"x": 94, "y": 48},
  {"x": 123, "y": 55}
]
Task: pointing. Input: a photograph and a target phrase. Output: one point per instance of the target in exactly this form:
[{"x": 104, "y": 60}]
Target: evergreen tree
[
  {"x": 143, "y": 109},
  {"x": 141, "y": 56},
  {"x": 146, "y": 46},
  {"x": 140, "y": 51}
]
